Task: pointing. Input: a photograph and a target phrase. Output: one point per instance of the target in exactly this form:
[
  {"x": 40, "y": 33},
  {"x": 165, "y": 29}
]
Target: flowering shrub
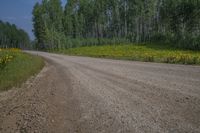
[
  {"x": 4, "y": 60},
  {"x": 7, "y": 55}
]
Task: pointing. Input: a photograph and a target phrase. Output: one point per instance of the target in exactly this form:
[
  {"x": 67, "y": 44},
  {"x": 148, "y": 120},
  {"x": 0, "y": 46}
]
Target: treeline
[
  {"x": 96, "y": 22},
  {"x": 12, "y": 37}
]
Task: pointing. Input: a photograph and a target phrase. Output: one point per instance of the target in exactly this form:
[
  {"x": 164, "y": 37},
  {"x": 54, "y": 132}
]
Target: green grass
[
  {"x": 19, "y": 69},
  {"x": 138, "y": 52}
]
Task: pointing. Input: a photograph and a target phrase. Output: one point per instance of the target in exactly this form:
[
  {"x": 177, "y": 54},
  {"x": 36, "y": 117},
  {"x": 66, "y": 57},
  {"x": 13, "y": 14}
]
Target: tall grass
[{"x": 21, "y": 67}]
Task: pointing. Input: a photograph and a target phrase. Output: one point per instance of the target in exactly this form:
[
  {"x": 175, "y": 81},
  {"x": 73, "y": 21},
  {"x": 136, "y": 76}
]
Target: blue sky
[{"x": 19, "y": 12}]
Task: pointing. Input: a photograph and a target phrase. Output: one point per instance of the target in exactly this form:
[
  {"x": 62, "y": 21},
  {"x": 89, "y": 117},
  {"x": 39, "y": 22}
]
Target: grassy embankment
[
  {"x": 142, "y": 52},
  {"x": 16, "y": 67}
]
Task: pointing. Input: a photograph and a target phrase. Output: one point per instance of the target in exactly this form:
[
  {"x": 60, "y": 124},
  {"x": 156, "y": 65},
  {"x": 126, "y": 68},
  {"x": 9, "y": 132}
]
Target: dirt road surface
[{"x": 88, "y": 95}]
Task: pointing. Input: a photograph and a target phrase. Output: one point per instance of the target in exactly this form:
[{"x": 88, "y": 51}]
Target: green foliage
[
  {"x": 138, "y": 52},
  {"x": 181, "y": 18},
  {"x": 47, "y": 22},
  {"x": 11, "y": 36},
  {"x": 99, "y": 22},
  {"x": 79, "y": 42},
  {"x": 5, "y": 58}
]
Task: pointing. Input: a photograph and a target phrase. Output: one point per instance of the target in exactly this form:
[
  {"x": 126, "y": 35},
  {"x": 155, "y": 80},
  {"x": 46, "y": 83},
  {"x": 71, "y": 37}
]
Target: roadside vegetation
[
  {"x": 138, "y": 52},
  {"x": 13, "y": 37},
  {"x": 108, "y": 22},
  {"x": 16, "y": 67}
]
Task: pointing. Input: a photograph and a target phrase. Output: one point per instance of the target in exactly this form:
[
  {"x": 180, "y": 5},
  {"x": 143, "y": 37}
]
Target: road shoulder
[{"x": 40, "y": 105}]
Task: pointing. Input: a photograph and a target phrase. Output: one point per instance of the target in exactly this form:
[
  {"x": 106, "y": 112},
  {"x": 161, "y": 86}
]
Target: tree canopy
[
  {"x": 102, "y": 21},
  {"x": 11, "y": 36}
]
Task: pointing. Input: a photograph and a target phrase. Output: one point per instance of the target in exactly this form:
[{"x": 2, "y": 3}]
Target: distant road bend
[{"x": 90, "y": 95}]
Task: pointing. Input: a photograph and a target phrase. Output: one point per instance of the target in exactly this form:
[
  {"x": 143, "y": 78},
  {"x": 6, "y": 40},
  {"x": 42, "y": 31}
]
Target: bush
[
  {"x": 158, "y": 37},
  {"x": 189, "y": 42}
]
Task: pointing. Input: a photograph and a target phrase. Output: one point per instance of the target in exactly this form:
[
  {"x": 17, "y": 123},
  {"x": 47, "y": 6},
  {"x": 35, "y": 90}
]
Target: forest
[
  {"x": 101, "y": 22},
  {"x": 13, "y": 37}
]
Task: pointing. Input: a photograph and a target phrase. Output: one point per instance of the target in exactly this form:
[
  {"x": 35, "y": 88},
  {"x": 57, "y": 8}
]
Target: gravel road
[{"x": 89, "y": 95}]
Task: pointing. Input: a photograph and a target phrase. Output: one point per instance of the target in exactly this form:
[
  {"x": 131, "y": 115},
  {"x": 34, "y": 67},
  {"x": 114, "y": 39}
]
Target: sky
[{"x": 19, "y": 12}]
